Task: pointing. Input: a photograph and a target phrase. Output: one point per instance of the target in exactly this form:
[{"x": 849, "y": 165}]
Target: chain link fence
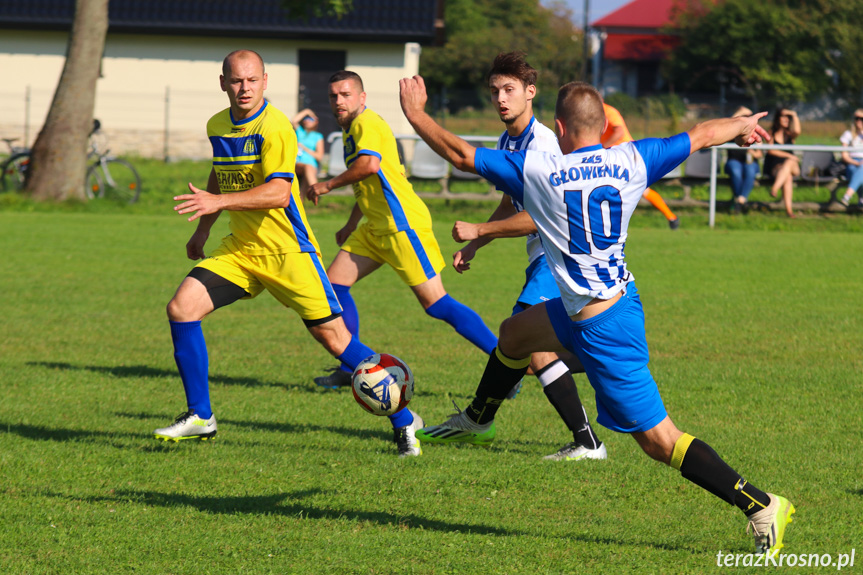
[{"x": 171, "y": 124}]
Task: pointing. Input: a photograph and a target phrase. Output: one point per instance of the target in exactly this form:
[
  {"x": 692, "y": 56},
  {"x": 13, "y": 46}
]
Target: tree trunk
[{"x": 59, "y": 156}]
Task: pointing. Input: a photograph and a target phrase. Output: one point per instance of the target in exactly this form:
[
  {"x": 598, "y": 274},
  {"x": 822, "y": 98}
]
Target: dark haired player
[
  {"x": 581, "y": 201},
  {"x": 271, "y": 247},
  {"x": 398, "y": 230},
  {"x": 512, "y": 83}
]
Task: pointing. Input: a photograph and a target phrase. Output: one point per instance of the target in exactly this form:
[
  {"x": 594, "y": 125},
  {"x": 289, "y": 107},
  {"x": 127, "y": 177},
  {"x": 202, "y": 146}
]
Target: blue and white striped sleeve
[
  {"x": 504, "y": 169},
  {"x": 661, "y": 155}
]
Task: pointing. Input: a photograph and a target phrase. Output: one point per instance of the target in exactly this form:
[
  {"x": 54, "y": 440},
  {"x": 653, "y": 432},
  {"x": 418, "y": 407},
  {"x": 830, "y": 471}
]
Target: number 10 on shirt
[{"x": 604, "y": 214}]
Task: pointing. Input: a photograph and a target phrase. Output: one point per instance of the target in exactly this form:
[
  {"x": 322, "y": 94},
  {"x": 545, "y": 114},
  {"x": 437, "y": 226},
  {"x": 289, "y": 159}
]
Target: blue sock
[
  {"x": 349, "y": 308},
  {"x": 466, "y": 322},
  {"x": 401, "y": 418},
  {"x": 355, "y": 353},
  {"x": 352, "y": 356},
  {"x": 190, "y": 353},
  {"x": 349, "y": 314}
]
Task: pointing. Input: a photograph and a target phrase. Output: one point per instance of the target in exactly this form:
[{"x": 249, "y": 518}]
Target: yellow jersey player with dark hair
[
  {"x": 398, "y": 227},
  {"x": 271, "y": 247}
]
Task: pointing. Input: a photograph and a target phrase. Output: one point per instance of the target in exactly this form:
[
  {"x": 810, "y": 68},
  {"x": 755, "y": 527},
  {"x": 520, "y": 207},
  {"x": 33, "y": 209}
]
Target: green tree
[
  {"x": 777, "y": 51},
  {"x": 478, "y": 30},
  {"x": 842, "y": 23},
  {"x": 59, "y": 155},
  {"x": 319, "y": 8}
]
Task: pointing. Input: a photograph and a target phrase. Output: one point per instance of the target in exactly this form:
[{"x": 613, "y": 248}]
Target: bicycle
[
  {"x": 110, "y": 176},
  {"x": 107, "y": 176},
  {"x": 14, "y": 171}
]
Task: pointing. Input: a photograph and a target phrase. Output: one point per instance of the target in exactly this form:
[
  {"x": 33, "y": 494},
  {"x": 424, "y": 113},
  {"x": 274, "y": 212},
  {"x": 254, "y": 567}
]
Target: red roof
[
  {"x": 638, "y": 46},
  {"x": 651, "y": 14}
]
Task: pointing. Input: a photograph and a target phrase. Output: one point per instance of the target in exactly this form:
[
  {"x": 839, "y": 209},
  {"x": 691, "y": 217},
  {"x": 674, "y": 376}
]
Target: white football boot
[
  {"x": 769, "y": 525},
  {"x": 459, "y": 428},
  {"x": 406, "y": 437},
  {"x": 575, "y": 452},
  {"x": 188, "y": 426}
]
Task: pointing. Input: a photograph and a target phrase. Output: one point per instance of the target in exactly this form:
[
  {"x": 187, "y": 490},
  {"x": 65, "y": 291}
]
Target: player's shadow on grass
[
  {"x": 225, "y": 424},
  {"x": 139, "y": 371},
  {"x": 139, "y": 439},
  {"x": 42, "y": 433},
  {"x": 289, "y": 505}
]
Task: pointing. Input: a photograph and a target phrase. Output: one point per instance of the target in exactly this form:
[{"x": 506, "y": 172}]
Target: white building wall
[{"x": 156, "y": 93}]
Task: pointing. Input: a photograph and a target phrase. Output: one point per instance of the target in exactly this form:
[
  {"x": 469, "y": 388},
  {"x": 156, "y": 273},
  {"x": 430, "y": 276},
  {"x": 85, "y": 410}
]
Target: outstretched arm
[
  {"x": 363, "y": 167},
  {"x": 744, "y": 130},
  {"x": 505, "y": 222},
  {"x": 515, "y": 226},
  {"x": 413, "y": 96},
  {"x": 274, "y": 194}
]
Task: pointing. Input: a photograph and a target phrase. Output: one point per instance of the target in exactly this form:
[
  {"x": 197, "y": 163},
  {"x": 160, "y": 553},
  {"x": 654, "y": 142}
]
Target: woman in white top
[{"x": 853, "y": 160}]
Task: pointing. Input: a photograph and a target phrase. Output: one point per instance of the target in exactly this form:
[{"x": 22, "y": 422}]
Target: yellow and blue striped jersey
[
  {"x": 387, "y": 199},
  {"x": 251, "y": 152}
]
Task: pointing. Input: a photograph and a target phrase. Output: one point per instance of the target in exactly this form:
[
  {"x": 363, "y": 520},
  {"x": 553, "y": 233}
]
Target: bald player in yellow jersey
[
  {"x": 615, "y": 133},
  {"x": 271, "y": 247},
  {"x": 398, "y": 227}
]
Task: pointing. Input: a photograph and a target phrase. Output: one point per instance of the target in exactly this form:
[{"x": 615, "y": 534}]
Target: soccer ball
[{"x": 382, "y": 384}]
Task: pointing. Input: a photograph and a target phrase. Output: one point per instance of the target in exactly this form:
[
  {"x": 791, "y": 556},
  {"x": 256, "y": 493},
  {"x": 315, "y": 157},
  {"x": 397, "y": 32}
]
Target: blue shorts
[
  {"x": 539, "y": 286},
  {"x": 613, "y": 349}
]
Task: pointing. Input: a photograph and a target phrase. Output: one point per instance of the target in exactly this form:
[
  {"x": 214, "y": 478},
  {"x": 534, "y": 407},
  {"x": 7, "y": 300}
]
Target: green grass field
[{"x": 754, "y": 330}]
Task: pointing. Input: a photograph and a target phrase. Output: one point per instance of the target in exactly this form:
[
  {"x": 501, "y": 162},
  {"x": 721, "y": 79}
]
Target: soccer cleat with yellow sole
[
  {"x": 458, "y": 429},
  {"x": 769, "y": 524},
  {"x": 188, "y": 425}
]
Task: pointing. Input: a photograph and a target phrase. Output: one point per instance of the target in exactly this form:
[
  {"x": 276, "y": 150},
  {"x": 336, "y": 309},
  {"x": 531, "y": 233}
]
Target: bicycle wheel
[
  {"x": 118, "y": 179},
  {"x": 93, "y": 186},
  {"x": 15, "y": 172}
]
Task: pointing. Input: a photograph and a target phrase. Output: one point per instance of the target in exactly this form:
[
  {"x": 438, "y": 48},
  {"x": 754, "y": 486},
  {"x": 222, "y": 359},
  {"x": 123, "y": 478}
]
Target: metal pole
[
  {"x": 714, "y": 163},
  {"x": 167, "y": 115},
  {"x": 586, "y": 52},
  {"x": 444, "y": 103},
  {"x": 27, "y": 117}
]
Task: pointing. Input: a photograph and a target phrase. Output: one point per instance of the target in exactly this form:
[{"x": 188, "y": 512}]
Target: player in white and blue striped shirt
[
  {"x": 512, "y": 83},
  {"x": 581, "y": 202}
]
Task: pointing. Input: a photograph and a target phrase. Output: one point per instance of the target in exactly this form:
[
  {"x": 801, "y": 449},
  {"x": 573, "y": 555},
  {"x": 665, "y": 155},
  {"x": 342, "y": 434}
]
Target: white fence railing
[
  {"x": 714, "y": 157},
  {"x": 714, "y": 163}
]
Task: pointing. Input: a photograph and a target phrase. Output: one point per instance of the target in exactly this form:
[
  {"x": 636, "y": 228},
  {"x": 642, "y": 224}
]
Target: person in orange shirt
[{"x": 615, "y": 133}]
